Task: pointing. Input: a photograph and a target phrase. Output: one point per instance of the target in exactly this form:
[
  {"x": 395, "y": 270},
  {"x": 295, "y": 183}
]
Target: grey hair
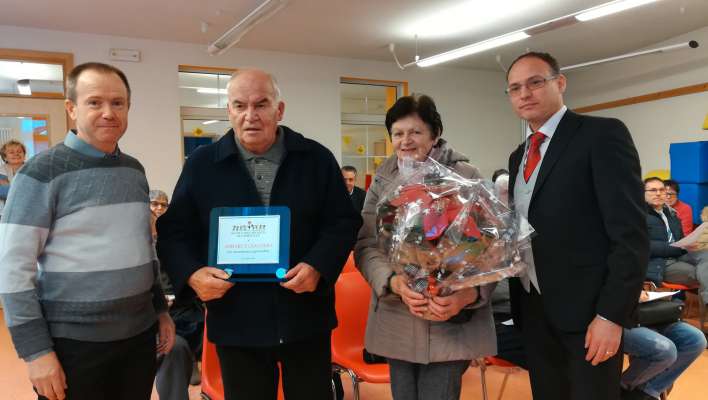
[
  {"x": 156, "y": 194},
  {"x": 273, "y": 81}
]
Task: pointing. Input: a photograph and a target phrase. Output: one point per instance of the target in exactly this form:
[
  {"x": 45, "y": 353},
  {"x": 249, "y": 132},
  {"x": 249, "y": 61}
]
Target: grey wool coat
[{"x": 392, "y": 331}]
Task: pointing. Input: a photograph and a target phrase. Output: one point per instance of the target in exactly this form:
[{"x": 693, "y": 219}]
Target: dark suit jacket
[
  {"x": 659, "y": 247},
  {"x": 358, "y": 195},
  {"x": 591, "y": 247},
  {"x": 323, "y": 230}
]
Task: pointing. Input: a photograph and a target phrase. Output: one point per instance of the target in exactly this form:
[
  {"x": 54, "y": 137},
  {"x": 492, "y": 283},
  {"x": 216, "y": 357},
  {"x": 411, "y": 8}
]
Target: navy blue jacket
[
  {"x": 324, "y": 226},
  {"x": 659, "y": 246}
]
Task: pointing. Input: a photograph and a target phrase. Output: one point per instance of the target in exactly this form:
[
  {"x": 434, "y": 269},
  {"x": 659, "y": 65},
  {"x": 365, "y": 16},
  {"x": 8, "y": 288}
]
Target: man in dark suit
[
  {"x": 355, "y": 193},
  {"x": 577, "y": 180}
]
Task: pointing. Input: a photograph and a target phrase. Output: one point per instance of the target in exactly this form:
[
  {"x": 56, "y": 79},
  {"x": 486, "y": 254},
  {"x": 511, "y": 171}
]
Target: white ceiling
[{"x": 363, "y": 28}]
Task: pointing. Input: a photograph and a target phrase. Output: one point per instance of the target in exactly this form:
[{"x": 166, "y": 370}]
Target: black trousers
[
  {"x": 252, "y": 372},
  {"x": 556, "y": 360},
  {"x": 119, "y": 370}
]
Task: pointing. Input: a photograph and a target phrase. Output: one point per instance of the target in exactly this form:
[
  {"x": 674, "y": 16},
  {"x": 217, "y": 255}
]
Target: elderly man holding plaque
[{"x": 287, "y": 192}]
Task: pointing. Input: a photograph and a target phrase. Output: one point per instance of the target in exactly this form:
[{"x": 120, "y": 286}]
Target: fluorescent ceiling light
[
  {"x": 211, "y": 90},
  {"x": 610, "y": 8},
  {"x": 238, "y": 31},
  {"x": 23, "y": 87},
  {"x": 470, "y": 16},
  {"x": 211, "y": 121},
  {"x": 473, "y": 48}
]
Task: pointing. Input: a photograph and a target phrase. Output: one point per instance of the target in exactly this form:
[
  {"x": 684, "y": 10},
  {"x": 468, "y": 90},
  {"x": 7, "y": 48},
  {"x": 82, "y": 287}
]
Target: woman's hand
[
  {"x": 444, "y": 308},
  {"x": 416, "y": 302}
]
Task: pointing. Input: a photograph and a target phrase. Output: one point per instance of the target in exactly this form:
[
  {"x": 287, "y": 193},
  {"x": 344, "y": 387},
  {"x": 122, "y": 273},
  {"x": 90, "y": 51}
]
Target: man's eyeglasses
[
  {"x": 655, "y": 191},
  {"x": 158, "y": 204},
  {"x": 670, "y": 194},
  {"x": 533, "y": 83}
]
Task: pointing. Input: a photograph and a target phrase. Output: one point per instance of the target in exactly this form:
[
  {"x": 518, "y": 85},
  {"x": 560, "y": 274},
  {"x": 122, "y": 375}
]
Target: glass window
[
  {"x": 27, "y": 78},
  {"x": 205, "y": 90},
  {"x": 29, "y": 130}
]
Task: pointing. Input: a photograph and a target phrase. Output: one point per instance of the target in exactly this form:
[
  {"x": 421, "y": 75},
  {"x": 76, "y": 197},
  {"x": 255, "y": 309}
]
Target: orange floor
[{"x": 14, "y": 384}]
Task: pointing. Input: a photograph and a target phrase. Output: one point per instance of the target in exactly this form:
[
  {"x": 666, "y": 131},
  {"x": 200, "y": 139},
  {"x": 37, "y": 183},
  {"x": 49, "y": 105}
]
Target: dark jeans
[
  {"x": 434, "y": 381},
  {"x": 252, "y": 372},
  {"x": 118, "y": 370},
  {"x": 556, "y": 359}
]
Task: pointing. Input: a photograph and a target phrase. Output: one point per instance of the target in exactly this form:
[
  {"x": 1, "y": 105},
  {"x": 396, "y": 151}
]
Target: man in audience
[
  {"x": 257, "y": 324},
  {"x": 510, "y": 344},
  {"x": 683, "y": 210},
  {"x": 357, "y": 194},
  {"x": 670, "y": 263},
  {"x": 577, "y": 180},
  {"x": 78, "y": 274}
]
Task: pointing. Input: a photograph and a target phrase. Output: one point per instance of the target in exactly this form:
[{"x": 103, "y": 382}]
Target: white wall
[
  {"x": 476, "y": 115},
  {"x": 654, "y": 125}
]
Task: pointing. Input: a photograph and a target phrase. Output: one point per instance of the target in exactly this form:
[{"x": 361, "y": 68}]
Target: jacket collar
[{"x": 226, "y": 146}]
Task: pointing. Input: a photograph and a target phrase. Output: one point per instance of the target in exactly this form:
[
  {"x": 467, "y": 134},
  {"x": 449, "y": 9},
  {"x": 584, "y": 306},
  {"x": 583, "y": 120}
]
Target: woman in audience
[
  {"x": 13, "y": 155},
  {"x": 427, "y": 357},
  {"x": 158, "y": 206},
  {"x": 657, "y": 356},
  {"x": 178, "y": 369}
]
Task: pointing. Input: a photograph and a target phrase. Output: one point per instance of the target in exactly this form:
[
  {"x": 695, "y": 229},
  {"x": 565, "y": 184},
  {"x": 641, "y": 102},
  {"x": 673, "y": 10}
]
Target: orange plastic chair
[
  {"x": 212, "y": 385},
  {"x": 507, "y": 366},
  {"x": 692, "y": 289},
  {"x": 350, "y": 266},
  {"x": 352, "y": 294}
]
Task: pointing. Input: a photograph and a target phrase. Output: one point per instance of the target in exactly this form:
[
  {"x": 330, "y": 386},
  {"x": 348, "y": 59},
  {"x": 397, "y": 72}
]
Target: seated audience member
[
  {"x": 657, "y": 356},
  {"x": 178, "y": 369},
  {"x": 355, "y": 193},
  {"x": 702, "y": 243},
  {"x": 13, "y": 157},
  {"x": 669, "y": 263},
  {"x": 683, "y": 210},
  {"x": 510, "y": 345}
]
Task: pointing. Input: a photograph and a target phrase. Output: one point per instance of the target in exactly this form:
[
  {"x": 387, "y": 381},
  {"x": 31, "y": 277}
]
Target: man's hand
[
  {"x": 166, "y": 333},
  {"x": 301, "y": 278},
  {"x": 444, "y": 308},
  {"x": 47, "y": 376},
  {"x": 209, "y": 283},
  {"x": 602, "y": 340},
  {"x": 416, "y": 302}
]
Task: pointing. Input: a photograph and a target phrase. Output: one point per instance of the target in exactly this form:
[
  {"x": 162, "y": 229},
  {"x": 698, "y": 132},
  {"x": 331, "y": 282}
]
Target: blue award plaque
[{"x": 252, "y": 244}]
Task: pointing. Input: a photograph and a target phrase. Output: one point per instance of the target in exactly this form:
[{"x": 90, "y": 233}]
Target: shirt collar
[
  {"x": 274, "y": 153},
  {"x": 549, "y": 128},
  {"x": 73, "y": 141}
]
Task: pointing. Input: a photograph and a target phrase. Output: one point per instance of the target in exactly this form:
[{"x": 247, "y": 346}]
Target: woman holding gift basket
[{"x": 418, "y": 235}]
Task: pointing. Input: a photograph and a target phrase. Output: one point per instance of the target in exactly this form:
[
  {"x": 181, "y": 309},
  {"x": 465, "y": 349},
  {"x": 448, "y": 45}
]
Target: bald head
[
  {"x": 254, "y": 74},
  {"x": 254, "y": 109}
]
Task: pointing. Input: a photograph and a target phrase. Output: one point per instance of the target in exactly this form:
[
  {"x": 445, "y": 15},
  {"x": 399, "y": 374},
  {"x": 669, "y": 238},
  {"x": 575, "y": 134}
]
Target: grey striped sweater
[{"x": 76, "y": 259}]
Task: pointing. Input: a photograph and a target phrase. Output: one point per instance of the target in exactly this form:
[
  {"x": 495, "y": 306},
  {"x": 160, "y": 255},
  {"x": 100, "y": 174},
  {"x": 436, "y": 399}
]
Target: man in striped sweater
[{"x": 78, "y": 276}]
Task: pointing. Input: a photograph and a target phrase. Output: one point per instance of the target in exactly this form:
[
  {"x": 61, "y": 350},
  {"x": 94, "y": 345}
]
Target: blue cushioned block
[
  {"x": 696, "y": 195},
  {"x": 689, "y": 162}
]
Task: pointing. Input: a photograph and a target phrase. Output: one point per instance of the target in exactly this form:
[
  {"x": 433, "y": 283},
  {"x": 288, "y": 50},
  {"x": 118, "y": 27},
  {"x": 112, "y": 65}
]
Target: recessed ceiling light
[
  {"x": 211, "y": 121},
  {"x": 211, "y": 91},
  {"x": 611, "y": 8}
]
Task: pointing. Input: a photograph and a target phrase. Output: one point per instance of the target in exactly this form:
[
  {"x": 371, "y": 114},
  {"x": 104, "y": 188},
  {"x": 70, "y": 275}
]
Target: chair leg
[
  {"x": 483, "y": 377},
  {"x": 355, "y": 383},
  {"x": 503, "y": 385},
  {"x": 701, "y": 312}
]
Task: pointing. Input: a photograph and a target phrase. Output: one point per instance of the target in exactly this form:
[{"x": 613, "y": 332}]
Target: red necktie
[{"x": 534, "y": 155}]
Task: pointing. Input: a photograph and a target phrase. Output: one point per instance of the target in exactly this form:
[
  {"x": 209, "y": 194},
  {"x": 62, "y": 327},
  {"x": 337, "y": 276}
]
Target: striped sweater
[{"x": 76, "y": 259}]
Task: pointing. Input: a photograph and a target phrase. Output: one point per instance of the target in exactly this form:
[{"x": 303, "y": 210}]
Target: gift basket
[{"x": 444, "y": 232}]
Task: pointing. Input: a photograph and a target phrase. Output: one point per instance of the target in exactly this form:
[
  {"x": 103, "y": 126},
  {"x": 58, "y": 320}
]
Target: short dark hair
[
  {"x": 349, "y": 168},
  {"x": 420, "y": 105},
  {"x": 673, "y": 185},
  {"x": 75, "y": 73},
  {"x": 499, "y": 173},
  {"x": 545, "y": 57},
  {"x": 652, "y": 179}
]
